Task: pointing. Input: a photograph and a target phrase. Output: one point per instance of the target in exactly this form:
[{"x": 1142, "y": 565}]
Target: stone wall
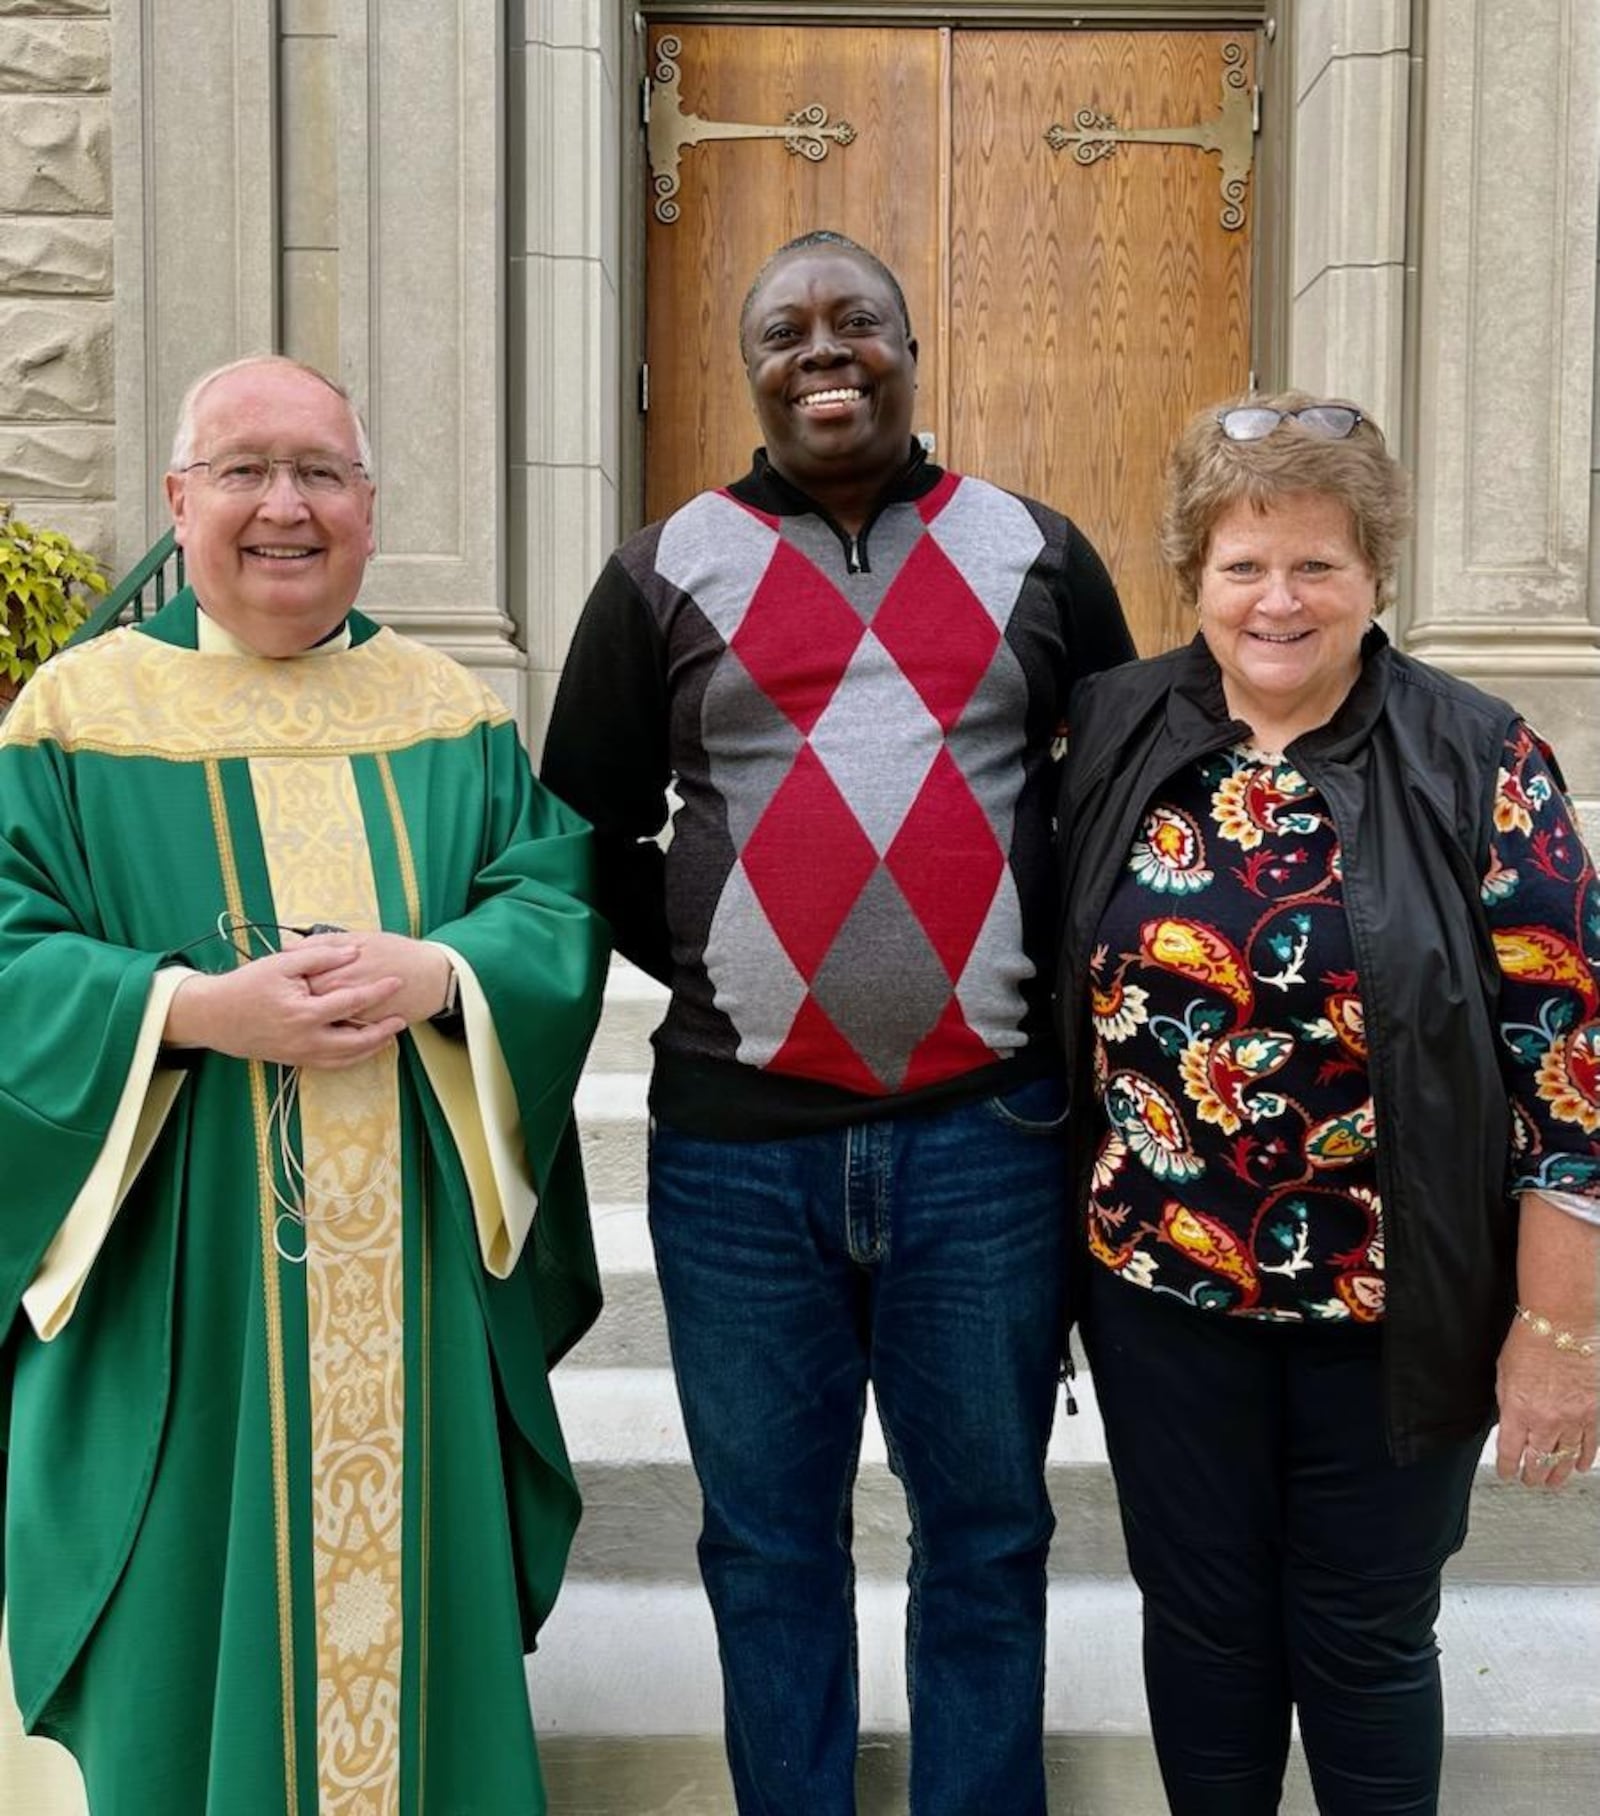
[
  {"x": 57, "y": 370},
  {"x": 1347, "y": 311}
]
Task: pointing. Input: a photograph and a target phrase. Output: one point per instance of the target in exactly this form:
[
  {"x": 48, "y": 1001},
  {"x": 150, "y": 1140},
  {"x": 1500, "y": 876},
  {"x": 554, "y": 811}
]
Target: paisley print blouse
[{"x": 1236, "y": 1166}]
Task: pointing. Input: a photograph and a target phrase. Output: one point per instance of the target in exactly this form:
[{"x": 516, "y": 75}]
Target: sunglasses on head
[{"x": 1254, "y": 422}]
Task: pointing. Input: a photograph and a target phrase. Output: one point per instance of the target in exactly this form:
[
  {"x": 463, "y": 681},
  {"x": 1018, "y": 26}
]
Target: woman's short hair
[{"x": 1208, "y": 473}]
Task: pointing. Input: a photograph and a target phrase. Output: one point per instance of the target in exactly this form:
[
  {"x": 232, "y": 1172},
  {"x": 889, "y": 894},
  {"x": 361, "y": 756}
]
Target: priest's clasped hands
[{"x": 327, "y": 1001}]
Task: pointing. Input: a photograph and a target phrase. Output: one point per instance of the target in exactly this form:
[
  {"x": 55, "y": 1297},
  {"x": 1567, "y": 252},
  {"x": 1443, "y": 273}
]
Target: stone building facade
[
  {"x": 57, "y": 315},
  {"x": 444, "y": 216},
  {"x": 442, "y": 204}
]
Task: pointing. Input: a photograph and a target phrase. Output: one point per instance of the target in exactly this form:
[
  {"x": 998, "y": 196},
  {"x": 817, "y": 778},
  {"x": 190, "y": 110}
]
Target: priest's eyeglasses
[
  {"x": 1255, "y": 422},
  {"x": 248, "y": 475}
]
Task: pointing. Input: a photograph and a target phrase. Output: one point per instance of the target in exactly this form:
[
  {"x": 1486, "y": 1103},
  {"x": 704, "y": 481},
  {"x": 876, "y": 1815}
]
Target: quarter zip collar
[{"x": 764, "y": 488}]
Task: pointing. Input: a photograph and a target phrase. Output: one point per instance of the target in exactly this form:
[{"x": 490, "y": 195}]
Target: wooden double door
[{"x": 1074, "y": 301}]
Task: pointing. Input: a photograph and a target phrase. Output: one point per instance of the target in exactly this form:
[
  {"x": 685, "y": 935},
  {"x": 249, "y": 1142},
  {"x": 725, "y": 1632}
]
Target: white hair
[{"x": 183, "y": 436}]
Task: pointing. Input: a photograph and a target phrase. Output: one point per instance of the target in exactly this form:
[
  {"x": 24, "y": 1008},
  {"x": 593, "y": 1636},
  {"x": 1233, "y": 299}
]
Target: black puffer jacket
[{"x": 1407, "y": 767}]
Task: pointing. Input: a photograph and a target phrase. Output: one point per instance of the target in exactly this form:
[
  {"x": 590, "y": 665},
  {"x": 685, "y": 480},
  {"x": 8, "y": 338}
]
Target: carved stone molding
[
  {"x": 54, "y": 56},
  {"x": 55, "y": 154},
  {"x": 17, "y": 8},
  {"x": 55, "y": 255},
  {"x": 51, "y": 460},
  {"x": 1507, "y": 348},
  {"x": 55, "y": 359}
]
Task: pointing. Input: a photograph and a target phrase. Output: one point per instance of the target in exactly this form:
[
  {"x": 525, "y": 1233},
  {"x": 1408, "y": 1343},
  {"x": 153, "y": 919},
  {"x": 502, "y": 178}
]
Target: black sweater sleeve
[
  {"x": 1097, "y": 634},
  {"x": 606, "y": 755}
]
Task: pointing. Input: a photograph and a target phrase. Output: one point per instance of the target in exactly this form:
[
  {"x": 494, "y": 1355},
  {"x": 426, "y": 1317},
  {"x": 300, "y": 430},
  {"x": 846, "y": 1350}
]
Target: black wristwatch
[{"x": 447, "y": 1018}]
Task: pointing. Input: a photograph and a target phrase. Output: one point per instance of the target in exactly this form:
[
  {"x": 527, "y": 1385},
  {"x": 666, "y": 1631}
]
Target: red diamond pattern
[
  {"x": 947, "y": 862},
  {"x": 798, "y": 674},
  {"x": 937, "y": 629},
  {"x": 950, "y": 1048},
  {"x": 833, "y": 905},
  {"x": 932, "y": 503},
  {"x": 816, "y": 1049},
  {"x": 807, "y": 860}
]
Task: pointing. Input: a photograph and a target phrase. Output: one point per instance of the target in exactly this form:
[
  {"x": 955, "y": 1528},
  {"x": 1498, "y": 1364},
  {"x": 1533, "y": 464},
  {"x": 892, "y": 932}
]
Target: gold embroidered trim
[
  {"x": 408, "y": 876},
  {"x": 402, "y": 841},
  {"x": 320, "y": 864},
  {"x": 126, "y": 694},
  {"x": 273, "y": 1310}
]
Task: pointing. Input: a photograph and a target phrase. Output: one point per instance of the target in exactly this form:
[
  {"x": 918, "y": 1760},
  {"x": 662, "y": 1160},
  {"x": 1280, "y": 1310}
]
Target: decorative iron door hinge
[
  {"x": 806, "y": 132},
  {"x": 1230, "y": 134}
]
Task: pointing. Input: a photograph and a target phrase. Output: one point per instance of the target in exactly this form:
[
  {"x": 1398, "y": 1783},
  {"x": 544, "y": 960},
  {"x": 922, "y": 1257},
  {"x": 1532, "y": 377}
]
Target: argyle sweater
[{"x": 858, "y": 895}]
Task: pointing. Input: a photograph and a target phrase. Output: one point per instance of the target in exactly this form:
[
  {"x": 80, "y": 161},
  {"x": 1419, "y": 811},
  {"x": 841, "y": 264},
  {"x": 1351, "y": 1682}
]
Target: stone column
[
  {"x": 308, "y": 137},
  {"x": 196, "y": 180},
  {"x": 1506, "y": 361},
  {"x": 421, "y": 302},
  {"x": 56, "y": 387},
  {"x": 378, "y": 125},
  {"x": 564, "y": 353},
  {"x": 1347, "y": 316}
]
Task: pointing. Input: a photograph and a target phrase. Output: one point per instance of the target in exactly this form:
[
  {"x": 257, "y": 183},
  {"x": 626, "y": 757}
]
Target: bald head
[
  {"x": 271, "y": 503},
  {"x": 183, "y": 439}
]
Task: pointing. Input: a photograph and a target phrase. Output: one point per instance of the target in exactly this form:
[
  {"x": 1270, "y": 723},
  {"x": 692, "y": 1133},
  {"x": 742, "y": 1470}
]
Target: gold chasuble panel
[{"x": 348, "y": 1184}]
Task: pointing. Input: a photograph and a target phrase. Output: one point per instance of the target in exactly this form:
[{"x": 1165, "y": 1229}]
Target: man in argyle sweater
[{"x": 851, "y": 666}]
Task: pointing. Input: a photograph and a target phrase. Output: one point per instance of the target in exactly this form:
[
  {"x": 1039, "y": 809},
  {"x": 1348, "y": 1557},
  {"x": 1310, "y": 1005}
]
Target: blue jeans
[{"x": 925, "y": 1254}]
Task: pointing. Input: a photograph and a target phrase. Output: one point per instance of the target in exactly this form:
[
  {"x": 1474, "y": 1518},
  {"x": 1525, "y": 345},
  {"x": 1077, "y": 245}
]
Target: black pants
[{"x": 1285, "y": 1561}]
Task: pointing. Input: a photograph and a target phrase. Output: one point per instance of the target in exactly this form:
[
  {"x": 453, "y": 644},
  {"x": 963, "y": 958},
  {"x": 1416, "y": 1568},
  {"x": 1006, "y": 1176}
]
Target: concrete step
[
  {"x": 631, "y": 1332},
  {"x": 1089, "y": 1775},
  {"x": 642, "y": 1506},
  {"x": 634, "y": 1006},
  {"x": 611, "y": 1111},
  {"x": 628, "y": 1660},
  {"x": 626, "y": 1694}
]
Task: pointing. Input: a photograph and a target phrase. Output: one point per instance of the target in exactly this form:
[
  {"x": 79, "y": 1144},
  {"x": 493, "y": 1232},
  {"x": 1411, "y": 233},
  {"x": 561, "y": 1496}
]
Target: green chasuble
[{"x": 285, "y": 1497}]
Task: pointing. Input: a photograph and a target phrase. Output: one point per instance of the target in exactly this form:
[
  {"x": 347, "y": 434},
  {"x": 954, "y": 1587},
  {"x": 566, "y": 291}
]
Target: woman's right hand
[{"x": 1549, "y": 1394}]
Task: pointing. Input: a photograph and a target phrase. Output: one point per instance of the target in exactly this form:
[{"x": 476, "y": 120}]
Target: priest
[{"x": 297, "y": 976}]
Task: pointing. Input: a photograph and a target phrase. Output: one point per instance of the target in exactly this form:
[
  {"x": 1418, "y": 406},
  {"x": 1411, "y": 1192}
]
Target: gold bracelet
[{"x": 1541, "y": 1326}]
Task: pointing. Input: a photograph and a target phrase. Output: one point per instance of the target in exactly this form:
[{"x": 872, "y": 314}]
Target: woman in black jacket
[{"x": 1330, "y": 991}]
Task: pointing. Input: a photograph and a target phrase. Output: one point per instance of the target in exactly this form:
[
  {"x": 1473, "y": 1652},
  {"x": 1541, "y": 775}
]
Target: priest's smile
[{"x": 272, "y": 505}]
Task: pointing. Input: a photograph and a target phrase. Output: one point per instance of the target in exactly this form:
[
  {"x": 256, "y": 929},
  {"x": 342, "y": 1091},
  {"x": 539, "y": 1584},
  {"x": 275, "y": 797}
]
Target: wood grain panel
[
  {"x": 741, "y": 199},
  {"x": 1092, "y": 307}
]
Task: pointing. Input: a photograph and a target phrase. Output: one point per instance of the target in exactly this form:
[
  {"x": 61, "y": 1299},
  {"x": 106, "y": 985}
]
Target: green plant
[{"x": 45, "y": 584}]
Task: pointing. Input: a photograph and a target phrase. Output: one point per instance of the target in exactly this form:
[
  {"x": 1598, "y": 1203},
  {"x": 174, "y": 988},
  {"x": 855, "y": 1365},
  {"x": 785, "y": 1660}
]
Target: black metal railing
[{"x": 161, "y": 570}]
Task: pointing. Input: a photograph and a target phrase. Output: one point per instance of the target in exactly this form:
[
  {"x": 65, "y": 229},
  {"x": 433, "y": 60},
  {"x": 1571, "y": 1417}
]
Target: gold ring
[{"x": 1547, "y": 1459}]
